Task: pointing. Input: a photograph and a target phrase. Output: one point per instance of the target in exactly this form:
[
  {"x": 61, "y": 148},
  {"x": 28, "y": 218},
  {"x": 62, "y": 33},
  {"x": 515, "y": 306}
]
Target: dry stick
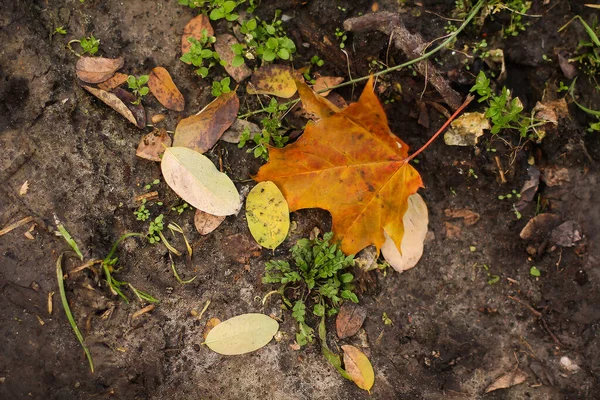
[{"x": 540, "y": 316}]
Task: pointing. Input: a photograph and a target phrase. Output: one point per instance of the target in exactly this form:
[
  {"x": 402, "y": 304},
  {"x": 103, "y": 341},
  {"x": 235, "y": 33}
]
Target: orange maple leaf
[{"x": 351, "y": 164}]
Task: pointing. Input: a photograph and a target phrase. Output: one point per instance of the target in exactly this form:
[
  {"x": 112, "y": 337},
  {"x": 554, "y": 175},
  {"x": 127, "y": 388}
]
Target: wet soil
[{"x": 456, "y": 328}]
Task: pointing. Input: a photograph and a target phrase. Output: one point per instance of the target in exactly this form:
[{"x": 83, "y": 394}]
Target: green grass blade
[{"x": 65, "y": 234}]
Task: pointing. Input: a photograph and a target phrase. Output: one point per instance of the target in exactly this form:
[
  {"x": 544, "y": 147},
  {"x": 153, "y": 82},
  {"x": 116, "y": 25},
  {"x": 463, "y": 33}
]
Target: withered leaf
[
  {"x": 350, "y": 319},
  {"x": 469, "y": 217},
  {"x": 137, "y": 110},
  {"x": 152, "y": 146},
  {"x": 200, "y": 132},
  {"x": 223, "y": 48},
  {"x": 194, "y": 29},
  {"x": 97, "y": 69},
  {"x": 205, "y": 223},
  {"x": 274, "y": 79},
  {"x": 507, "y": 380},
  {"x": 209, "y": 325},
  {"x": 358, "y": 366},
  {"x": 163, "y": 88},
  {"x": 113, "y": 102},
  {"x": 325, "y": 82},
  {"x": 115, "y": 81},
  {"x": 233, "y": 134},
  {"x": 351, "y": 164}
]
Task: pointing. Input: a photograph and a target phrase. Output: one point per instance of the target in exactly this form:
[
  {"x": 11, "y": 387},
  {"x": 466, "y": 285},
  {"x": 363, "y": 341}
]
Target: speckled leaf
[
  {"x": 152, "y": 146},
  {"x": 205, "y": 223},
  {"x": 274, "y": 79},
  {"x": 163, "y": 88},
  {"x": 197, "y": 181},
  {"x": 350, "y": 319},
  {"x": 242, "y": 334},
  {"x": 358, "y": 366},
  {"x": 268, "y": 215},
  {"x": 194, "y": 29},
  {"x": 115, "y": 81},
  {"x": 97, "y": 69},
  {"x": 200, "y": 132},
  {"x": 113, "y": 102},
  {"x": 223, "y": 48}
]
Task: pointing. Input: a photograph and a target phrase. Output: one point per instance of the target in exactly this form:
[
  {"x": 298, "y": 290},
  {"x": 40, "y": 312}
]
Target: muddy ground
[{"x": 453, "y": 332}]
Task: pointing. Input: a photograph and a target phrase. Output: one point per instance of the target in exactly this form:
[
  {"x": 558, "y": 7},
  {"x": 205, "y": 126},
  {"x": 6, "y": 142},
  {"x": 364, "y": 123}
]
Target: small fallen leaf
[
  {"x": 194, "y": 29},
  {"x": 223, "y": 48},
  {"x": 325, "y": 82},
  {"x": 268, "y": 215},
  {"x": 115, "y": 81},
  {"x": 507, "y": 380},
  {"x": 555, "y": 176},
  {"x": 152, "y": 146},
  {"x": 200, "y": 132},
  {"x": 415, "y": 222},
  {"x": 466, "y": 129},
  {"x": 358, "y": 366},
  {"x": 205, "y": 223},
  {"x": 469, "y": 217},
  {"x": 156, "y": 118},
  {"x": 274, "y": 79},
  {"x": 163, "y": 88},
  {"x": 113, "y": 102},
  {"x": 452, "y": 231},
  {"x": 568, "y": 69},
  {"x": 242, "y": 334},
  {"x": 233, "y": 134},
  {"x": 566, "y": 234},
  {"x": 209, "y": 326},
  {"x": 97, "y": 69},
  {"x": 24, "y": 188},
  {"x": 529, "y": 188},
  {"x": 349, "y": 320},
  {"x": 198, "y": 182},
  {"x": 539, "y": 226}
]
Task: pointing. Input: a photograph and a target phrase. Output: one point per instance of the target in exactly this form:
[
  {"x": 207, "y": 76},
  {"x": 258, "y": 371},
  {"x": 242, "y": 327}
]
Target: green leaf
[
  {"x": 283, "y": 54},
  {"x": 346, "y": 278},
  {"x": 65, "y": 234},
  {"x": 251, "y": 24},
  {"x": 299, "y": 311},
  {"x": 535, "y": 272},
  {"x": 242, "y": 334},
  {"x": 319, "y": 310},
  {"x": 237, "y": 61},
  {"x": 143, "y": 79},
  {"x": 272, "y": 43},
  {"x": 269, "y": 55},
  {"x": 216, "y": 14},
  {"x": 229, "y": 6}
]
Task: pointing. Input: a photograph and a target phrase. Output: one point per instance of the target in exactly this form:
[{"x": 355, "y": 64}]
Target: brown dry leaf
[
  {"x": 452, "y": 231},
  {"x": 113, "y": 102},
  {"x": 205, "y": 223},
  {"x": 350, "y": 319},
  {"x": 97, "y": 69},
  {"x": 539, "y": 226},
  {"x": 274, "y": 79},
  {"x": 325, "y": 82},
  {"x": 358, "y": 366},
  {"x": 469, "y": 217},
  {"x": 223, "y": 48},
  {"x": 117, "y": 80},
  {"x": 24, "y": 188},
  {"x": 138, "y": 111},
  {"x": 507, "y": 380},
  {"x": 200, "y": 132},
  {"x": 152, "y": 146},
  {"x": 209, "y": 325},
  {"x": 163, "y": 88},
  {"x": 566, "y": 234},
  {"x": 194, "y": 29},
  {"x": 156, "y": 118},
  {"x": 232, "y": 135},
  {"x": 551, "y": 111},
  {"x": 555, "y": 176}
]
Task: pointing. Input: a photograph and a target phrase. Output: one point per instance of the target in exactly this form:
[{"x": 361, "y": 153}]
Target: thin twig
[{"x": 533, "y": 310}]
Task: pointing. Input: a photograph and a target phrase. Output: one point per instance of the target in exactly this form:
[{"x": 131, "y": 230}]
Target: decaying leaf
[
  {"x": 163, "y": 88},
  {"x": 242, "y": 334},
  {"x": 129, "y": 99},
  {"x": 97, "y": 69},
  {"x": 197, "y": 181},
  {"x": 415, "y": 222},
  {"x": 350, "y": 164},
  {"x": 113, "y": 102},
  {"x": 156, "y": 118},
  {"x": 540, "y": 226},
  {"x": 200, "y": 132},
  {"x": 358, "y": 366},
  {"x": 349, "y": 320},
  {"x": 566, "y": 234},
  {"x": 206, "y": 223},
  {"x": 274, "y": 79},
  {"x": 115, "y": 81},
  {"x": 468, "y": 216},
  {"x": 268, "y": 215},
  {"x": 325, "y": 82},
  {"x": 466, "y": 129},
  {"x": 194, "y": 29},
  {"x": 233, "y": 134},
  {"x": 152, "y": 146},
  {"x": 223, "y": 48},
  {"x": 24, "y": 188},
  {"x": 507, "y": 380},
  {"x": 209, "y": 326}
]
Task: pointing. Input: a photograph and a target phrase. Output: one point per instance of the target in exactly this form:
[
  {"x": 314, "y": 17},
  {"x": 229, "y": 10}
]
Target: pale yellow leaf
[
  {"x": 242, "y": 334},
  {"x": 268, "y": 215},
  {"x": 358, "y": 367}
]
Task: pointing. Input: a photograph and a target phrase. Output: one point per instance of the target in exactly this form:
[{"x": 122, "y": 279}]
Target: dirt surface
[{"x": 455, "y": 330}]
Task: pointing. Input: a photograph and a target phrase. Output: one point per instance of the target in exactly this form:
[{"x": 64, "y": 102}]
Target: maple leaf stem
[{"x": 442, "y": 129}]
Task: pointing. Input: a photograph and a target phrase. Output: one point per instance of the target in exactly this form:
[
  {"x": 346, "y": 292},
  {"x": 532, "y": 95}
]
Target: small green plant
[
  {"x": 481, "y": 49},
  {"x": 386, "y": 320},
  {"x": 562, "y": 87},
  {"x": 533, "y": 271},
  {"x": 319, "y": 274},
  {"x": 180, "y": 208},
  {"x": 155, "y": 229},
  {"x": 492, "y": 279},
  {"x": 200, "y": 55},
  {"x": 270, "y": 134},
  {"x": 219, "y": 9},
  {"x": 263, "y": 40},
  {"x": 142, "y": 213},
  {"x": 60, "y": 30},
  {"x": 89, "y": 45},
  {"x": 149, "y": 185},
  {"x": 588, "y": 52},
  {"x": 516, "y": 8},
  {"x": 221, "y": 87},
  {"x": 342, "y": 37},
  {"x": 510, "y": 195},
  {"x": 138, "y": 86},
  {"x": 316, "y": 60}
]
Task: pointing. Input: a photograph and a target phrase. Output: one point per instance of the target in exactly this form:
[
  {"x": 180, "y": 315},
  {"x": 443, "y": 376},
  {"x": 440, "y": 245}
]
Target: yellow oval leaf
[
  {"x": 358, "y": 366},
  {"x": 164, "y": 89},
  {"x": 197, "y": 181},
  {"x": 242, "y": 334},
  {"x": 274, "y": 79},
  {"x": 268, "y": 215}
]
